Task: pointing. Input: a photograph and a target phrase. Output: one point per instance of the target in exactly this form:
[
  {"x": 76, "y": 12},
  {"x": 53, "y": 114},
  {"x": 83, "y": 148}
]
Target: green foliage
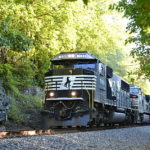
[
  {"x": 19, "y": 75},
  {"x": 42, "y": 63},
  {"x": 139, "y": 80},
  {"x": 84, "y": 1},
  {"x": 14, "y": 113},
  {"x": 19, "y": 104},
  {"x": 138, "y": 13},
  {"x": 57, "y": 26},
  {"x": 10, "y": 81},
  {"x": 11, "y": 38}
]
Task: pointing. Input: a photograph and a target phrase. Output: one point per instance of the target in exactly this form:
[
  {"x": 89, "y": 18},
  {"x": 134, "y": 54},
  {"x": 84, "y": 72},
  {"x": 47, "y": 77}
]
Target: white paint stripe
[
  {"x": 65, "y": 98},
  {"x": 81, "y": 88},
  {"x": 82, "y": 81},
  {"x": 54, "y": 80},
  {"x": 76, "y": 76}
]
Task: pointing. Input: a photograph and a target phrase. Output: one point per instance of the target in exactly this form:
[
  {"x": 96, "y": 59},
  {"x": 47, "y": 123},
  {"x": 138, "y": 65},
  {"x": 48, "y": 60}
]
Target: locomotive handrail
[
  {"x": 88, "y": 94},
  {"x": 92, "y": 96}
]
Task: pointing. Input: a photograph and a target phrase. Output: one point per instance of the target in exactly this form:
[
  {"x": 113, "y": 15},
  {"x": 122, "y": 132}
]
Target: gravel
[{"x": 137, "y": 138}]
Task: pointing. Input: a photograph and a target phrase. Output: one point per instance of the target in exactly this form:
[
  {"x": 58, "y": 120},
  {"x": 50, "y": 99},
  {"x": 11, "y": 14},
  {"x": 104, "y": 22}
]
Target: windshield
[
  {"x": 89, "y": 66},
  {"x": 85, "y": 66},
  {"x": 134, "y": 90}
]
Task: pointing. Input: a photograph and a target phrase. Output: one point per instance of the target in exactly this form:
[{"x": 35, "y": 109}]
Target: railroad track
[{"x": 13, "y": 134}]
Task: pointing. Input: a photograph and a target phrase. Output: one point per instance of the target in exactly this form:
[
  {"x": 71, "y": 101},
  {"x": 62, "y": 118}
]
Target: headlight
[
  {"x": 73, "y": 93},
  {"x": 51, "y": 94}
]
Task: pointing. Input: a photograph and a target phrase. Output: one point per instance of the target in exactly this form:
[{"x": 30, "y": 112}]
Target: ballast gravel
[{"x": 137, "y": 138}]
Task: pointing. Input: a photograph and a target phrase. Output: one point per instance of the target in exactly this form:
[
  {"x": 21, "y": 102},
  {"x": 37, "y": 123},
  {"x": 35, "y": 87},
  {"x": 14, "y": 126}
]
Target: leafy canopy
[
  {"x": 35, "y": 31},
  {"x": 138, "y": 12}
]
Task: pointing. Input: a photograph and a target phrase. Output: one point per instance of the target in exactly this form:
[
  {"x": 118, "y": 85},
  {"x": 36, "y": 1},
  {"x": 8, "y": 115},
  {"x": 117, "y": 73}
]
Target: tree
[
  {"x": 84, "y": 1},
  {"x": 138, "y": 13}
]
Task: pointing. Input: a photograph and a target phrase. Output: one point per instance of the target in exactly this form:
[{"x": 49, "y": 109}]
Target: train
[{"x": 82, "y": 91}]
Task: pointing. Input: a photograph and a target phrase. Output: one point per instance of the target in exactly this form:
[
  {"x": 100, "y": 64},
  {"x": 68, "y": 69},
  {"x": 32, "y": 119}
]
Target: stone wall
[{"x": 4, "y": 103}]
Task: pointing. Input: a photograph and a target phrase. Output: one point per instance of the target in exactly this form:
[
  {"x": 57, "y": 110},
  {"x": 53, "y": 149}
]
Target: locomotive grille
[{"x": 71, "y": 82}]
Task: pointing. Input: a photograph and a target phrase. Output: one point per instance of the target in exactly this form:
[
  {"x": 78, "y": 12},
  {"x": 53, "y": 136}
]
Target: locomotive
[
  {"x": 80, "y": 90},
  {"x": 140, "y": 103}
]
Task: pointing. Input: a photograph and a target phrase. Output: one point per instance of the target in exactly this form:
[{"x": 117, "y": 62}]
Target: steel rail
[{"x": 13, "y": 134}]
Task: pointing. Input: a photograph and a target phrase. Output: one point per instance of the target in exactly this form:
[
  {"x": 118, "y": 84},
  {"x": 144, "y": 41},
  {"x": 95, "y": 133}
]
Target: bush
[
  {"x": 14, "y": 113},
  {"x": 20, "y": 104}
]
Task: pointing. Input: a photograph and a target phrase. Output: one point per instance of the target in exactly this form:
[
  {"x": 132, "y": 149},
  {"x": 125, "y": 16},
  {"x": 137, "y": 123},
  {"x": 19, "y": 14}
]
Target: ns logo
[{"x": 66, "y": 83}]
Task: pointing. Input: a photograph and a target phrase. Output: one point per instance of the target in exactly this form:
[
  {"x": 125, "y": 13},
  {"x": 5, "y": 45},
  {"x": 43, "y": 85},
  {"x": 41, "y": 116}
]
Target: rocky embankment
[{"x": 4, "y": 105}]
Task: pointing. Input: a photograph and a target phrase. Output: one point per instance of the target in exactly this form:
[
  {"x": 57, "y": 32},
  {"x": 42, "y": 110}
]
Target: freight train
[{"x": 80, "y": 90}]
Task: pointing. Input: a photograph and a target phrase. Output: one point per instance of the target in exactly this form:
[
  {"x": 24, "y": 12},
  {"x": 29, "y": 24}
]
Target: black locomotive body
[{"x": 80, "y": 90}]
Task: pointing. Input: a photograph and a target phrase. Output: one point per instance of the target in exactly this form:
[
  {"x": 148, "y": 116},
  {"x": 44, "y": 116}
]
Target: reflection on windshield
[
  {"x": 74, "y": 66},
  {"x": 134, "y": 90},
  {"x": 85, "y": 66}
]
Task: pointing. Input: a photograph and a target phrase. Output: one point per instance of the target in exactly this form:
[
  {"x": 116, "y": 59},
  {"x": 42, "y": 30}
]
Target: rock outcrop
[{"x": 4, "y": 103}]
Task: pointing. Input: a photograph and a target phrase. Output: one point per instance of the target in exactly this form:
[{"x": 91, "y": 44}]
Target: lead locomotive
[{"x": 80, "y": 90}]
